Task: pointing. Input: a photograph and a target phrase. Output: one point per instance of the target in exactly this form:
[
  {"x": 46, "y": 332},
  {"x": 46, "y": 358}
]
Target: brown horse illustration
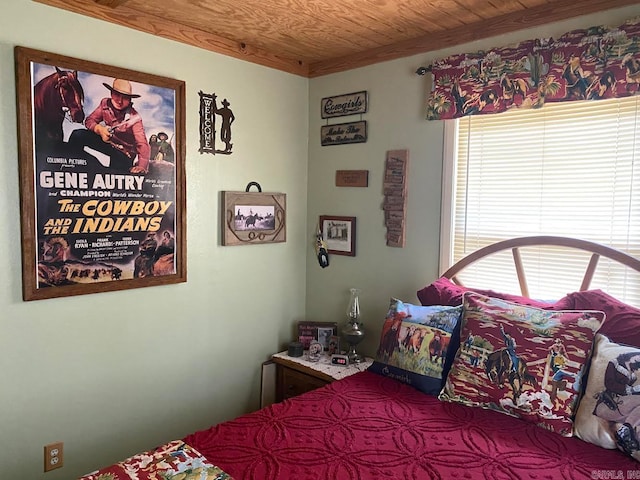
[
  {"x": 632, "y": 68},
  {"x": 54, "y": 97},
  {"x": 576, "y": 79},
  {"x": 499, "y": 369},
  {"x": 601, "y": 85},
  {"x": 512, "y": 88}
]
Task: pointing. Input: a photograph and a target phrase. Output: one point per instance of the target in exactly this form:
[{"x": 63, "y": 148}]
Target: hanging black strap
[{"x": 253, "y": 184}]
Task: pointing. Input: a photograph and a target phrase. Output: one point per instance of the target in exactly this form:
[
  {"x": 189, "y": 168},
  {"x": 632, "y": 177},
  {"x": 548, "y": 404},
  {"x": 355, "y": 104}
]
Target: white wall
[
  {"x": 396, "y": 120},
  {"x": 114, "y": 373}
]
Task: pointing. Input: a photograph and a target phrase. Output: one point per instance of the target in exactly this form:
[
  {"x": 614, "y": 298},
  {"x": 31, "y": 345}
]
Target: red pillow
[
  {"x": 444, "y": 292},
  {"x": 621, "y": 325},
  {"x": 622, "y": 321}
]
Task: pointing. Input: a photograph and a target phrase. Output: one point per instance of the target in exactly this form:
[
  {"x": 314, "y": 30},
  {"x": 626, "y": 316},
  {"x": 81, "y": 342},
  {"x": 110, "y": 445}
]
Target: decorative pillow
[
  {"x": 444, "y": 292},
  {"x": 622, "y": 322},
  {"x": 609, "y": 412},
  {"x": 414, "y": 342},
  {"x": 522, "y": 361}
]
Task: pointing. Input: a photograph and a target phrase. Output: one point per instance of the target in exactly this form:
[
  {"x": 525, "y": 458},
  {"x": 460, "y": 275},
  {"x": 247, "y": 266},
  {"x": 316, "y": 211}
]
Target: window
[{"x": 568, "y": 169}]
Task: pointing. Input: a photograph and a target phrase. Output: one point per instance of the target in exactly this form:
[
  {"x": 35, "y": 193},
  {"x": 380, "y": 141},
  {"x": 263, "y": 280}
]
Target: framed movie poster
[{"x": 102, "y": 176}]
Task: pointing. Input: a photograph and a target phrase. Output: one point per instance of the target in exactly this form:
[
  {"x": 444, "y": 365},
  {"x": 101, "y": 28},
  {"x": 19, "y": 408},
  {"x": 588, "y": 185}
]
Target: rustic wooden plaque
[
  {"x": 352, "y": 178},
  {"x": 395, "y": 196}
]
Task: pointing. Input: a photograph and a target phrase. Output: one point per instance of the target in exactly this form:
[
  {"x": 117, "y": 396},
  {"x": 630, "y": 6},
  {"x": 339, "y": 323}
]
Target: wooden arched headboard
[{"x": 516, "y": 244}]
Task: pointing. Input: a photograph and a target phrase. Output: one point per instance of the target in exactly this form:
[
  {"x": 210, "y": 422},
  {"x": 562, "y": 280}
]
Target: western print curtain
[{"x": 590, "y": 64}]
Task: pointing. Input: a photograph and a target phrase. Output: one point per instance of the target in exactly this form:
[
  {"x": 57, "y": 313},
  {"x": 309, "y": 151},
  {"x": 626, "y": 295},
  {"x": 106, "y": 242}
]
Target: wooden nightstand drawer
[
  {"x": 292, "y": 382},
  {"x": 297, "y": 375}
]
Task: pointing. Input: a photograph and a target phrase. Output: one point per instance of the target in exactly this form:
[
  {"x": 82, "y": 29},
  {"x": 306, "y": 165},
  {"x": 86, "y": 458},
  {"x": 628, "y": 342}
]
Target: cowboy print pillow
[
  {"x": 609, "y": 412},
  {"x": 522, "y": 361}
]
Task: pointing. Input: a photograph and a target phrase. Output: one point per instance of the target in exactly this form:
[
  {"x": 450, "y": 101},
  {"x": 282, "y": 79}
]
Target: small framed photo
[
  {"x": 320, "y": 332},
  {"x": 334, "y": 345},
  {"x": 315, "y": 351},
  {"x": 340, "y": 234},
  {"x": 324, "y": 335},
  {"x": 250, "y": 218}
]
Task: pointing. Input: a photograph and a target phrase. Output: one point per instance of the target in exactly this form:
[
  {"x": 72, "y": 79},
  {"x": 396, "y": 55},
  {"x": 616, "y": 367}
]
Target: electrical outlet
[{"x": 53, "y": 456}]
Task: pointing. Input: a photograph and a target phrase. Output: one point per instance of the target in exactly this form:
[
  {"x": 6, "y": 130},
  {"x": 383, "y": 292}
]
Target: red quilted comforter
[{"x": 369, "y": 427}]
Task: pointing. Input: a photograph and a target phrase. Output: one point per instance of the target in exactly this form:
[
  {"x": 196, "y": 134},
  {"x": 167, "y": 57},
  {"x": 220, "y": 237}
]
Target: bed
[{"x": 467, "y": 418}]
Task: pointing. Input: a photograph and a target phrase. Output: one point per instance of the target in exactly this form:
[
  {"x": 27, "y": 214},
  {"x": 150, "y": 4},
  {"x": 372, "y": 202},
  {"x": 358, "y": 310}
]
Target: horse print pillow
[
  {"x": 414, "y": 342},
  {"x": 522, "y": 361},
  {"x": 609, "y": 412}
]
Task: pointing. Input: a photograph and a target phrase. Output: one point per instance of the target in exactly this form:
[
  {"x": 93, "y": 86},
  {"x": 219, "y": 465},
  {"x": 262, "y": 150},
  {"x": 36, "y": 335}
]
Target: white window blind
[{"x": 568, "y": 169}]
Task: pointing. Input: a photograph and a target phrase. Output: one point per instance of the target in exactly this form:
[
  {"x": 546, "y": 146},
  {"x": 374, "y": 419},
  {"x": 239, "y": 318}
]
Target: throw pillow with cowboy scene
[
  {"x": 609, "y": 411},
  {"x": 521, "y": 361},
  {"x": 414, "y": 342}
]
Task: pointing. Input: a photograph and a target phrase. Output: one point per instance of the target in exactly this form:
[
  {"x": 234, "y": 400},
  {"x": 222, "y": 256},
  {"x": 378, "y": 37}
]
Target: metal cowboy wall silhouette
[{"x": 208, "y": 133}]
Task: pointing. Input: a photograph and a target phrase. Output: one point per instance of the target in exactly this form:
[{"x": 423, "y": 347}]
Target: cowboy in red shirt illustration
[{"x": 115, "y": 129}]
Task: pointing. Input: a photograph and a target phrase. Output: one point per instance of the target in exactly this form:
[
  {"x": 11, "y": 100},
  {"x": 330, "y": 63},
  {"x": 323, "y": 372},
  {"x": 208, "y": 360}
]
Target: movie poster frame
[{"x": 24, "y": 57}]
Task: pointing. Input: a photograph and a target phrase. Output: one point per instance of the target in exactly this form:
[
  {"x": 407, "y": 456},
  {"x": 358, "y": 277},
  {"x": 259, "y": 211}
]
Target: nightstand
[{"x": 296, "y": 375}]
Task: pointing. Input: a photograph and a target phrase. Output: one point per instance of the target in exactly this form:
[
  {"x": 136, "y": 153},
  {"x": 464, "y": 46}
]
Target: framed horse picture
[
  {"x": 102, "y": 176},
  {"x": 250, "y": 218}
]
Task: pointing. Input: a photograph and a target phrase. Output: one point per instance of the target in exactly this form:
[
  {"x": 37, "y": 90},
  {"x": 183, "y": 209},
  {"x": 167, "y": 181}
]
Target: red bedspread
[{"x": 369, "y": 427}]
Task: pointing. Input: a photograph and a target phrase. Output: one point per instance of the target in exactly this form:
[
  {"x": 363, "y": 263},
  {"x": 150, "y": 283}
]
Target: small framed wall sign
[
  {"x": 339, "y": 234},
  {"x": 347, "y": 104},
  {"x": 343, "y": 133},
  {"x": 352, "y": 178}
]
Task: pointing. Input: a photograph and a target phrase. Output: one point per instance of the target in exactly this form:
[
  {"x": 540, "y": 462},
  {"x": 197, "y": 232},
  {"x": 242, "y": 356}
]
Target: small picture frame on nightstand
[
  {"x": 324, "y": 336},
  {"x": 319, "y": 331},
  {"x": 334, "y": 345},
  {"x": 315, "y": 351}
]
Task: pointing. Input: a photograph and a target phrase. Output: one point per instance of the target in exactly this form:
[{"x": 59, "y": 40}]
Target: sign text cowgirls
[{"x": 341, "y": 105}]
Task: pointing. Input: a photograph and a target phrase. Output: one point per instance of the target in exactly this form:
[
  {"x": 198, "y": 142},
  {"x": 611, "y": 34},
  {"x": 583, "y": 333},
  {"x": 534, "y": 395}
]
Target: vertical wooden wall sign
[{"x": 395, "y": 196}]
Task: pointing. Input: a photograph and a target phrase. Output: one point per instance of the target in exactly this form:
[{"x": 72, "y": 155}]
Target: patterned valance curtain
[{"x": 591, "y": 64}]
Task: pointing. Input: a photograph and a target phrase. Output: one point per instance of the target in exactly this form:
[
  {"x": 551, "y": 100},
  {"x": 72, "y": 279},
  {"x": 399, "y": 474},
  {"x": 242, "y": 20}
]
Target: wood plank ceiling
[{"x": 318, "y": 37}]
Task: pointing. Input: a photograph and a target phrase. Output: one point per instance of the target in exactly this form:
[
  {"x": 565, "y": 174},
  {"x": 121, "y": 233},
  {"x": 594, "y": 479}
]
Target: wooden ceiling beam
[
  {"x": 532, "y": 17},
  {"x": 110, "y": 3},
  {"x": 118, "y": 12},
  {"x": 127, "y": 17}
]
